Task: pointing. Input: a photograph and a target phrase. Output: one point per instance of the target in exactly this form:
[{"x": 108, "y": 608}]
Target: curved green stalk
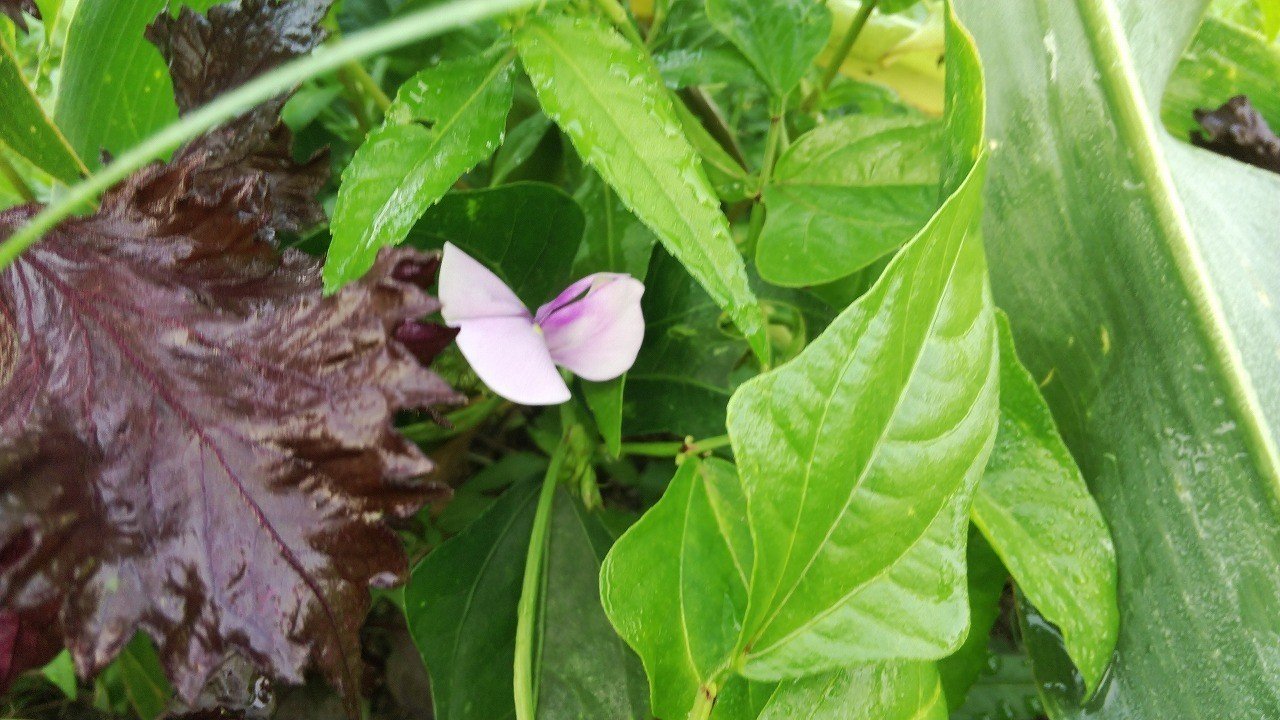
[
  {"x": 397, "y": 33},
  {"x": 531, "y": 592}
]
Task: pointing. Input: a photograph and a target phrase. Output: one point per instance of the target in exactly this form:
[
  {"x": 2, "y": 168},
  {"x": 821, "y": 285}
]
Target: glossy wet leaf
[
  {"x": 824, "y": 444},
  {"x": 675, "y": 585},
  {"x": 114, "y": 90},
  {"x": 691, "y": 51},
  {"x": 444, "y": 121},
  {"x": 461, "y": 606},
  {"x": 26, "y": 129},
  {"x": 885, "y": 691},
  {"x": 781, "y": 38},
  {"x": 526, "y": 233},
  {"x": 608, "y": 98},
  {"x": 1122, "y": 244},
  {"x": 1005, "y": 690},
  {"x": 212, "y": 449},
  {"x": 846, "y": 194},
  {"x": 987, "y": 579},
  {"x": 1034, "y": 508}
]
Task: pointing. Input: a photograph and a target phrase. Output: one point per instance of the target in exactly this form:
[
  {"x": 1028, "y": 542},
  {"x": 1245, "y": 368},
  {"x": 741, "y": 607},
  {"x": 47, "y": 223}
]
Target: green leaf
[
  {"x": 608, "y": 98},
  {"x": 1224, "y": 60},
  {"x": 1141, "y": 277},
  {"x": 143, "y": 677},
  {"x": 26, "y": 129},
  {"x": 519, "y": 146},
  {"x": 584, "y": 668},
  {"x": 114, "y": 89},
  {"x": 605, "y": 401},
  {"x": 780, "y": 38},
  {"x": 61, "y": 671},
  {"x": 527, "y": 233},
  {"x": 846, "y": 194},
  {"x": 685, "y": 372},
  {"x": 730, "y": 178},
  {"x": 1006, "y": 690},
  {"x": 987, "y": 578},
  {"x": 675, "y": 584},
  {"x": 461, "y": 606},
  {"x": 885, "y": 691},
  {"x": 614, "y": 240},
  {"x": 905, "y": 378},
  {"x": 1034, "y": 508},
  {"x": 691, "y": 51},
  {"x": 444, "y": 121}
]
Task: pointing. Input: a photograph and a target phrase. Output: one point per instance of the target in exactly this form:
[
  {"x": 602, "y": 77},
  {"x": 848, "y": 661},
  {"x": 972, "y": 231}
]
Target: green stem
[
  {"x": 355, "y": 98},
  {"x": 397, "y": 33},
  {"x": 652, "y": 449},
  {"x": 526, "y": 694},
  {"x": 15, "y": 179},
  {"x": 370, "y": 87},
  {"x": 618, "y": 16},
  {"x": 703, "y": 704},
  {"x": 772, "y": 147},
  {"x": 842, "y": 53}
]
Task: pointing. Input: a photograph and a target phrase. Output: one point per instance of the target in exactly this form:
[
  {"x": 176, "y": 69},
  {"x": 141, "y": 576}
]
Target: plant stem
[
  {"x": 369, "y": 86},
  {"x": 15, "y": 179},
  {"x": 675, "y": 449},
  {"x": 397, "y": 33},
  {"x": 703, "y": 704},
  {"x": 772, "y": 146},
  {"x": 526, "y": 694},
  {"x": 355, "y": 100},
  {"x": 618, "y": 15},
  {"x": 842, "y": 52}
]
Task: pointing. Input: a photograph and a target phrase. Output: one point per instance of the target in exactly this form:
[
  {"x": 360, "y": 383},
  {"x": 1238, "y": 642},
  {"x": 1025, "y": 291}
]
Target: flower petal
[
  {"x": 510, "y": 355},
  {"x": 595, "y": 327},
  {"x": 469, "y": 290}
]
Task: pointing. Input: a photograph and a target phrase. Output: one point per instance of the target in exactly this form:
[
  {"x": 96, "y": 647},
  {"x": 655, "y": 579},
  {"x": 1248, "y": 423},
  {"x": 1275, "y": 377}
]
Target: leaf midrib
[{"x": 1136, "y": 127}]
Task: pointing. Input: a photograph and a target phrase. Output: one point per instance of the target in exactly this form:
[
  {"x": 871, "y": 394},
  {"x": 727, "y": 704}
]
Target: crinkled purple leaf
[{"x": 194, "y": 441}]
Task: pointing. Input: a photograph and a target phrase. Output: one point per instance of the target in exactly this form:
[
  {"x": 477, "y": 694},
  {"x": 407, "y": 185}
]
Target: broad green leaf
[
  {"x": 987, "y": 578},
  {"x": 690, "y": 51},
  {"x": 608, "y": 98},
  {"x": 781, "y": 38},
  {"x": 613, "y": 239},
  {"x": 685, "y": 372},
  {"x": 1224, "y": 60},
  {"x": 675, "y": 584},
  {"x": 143, "y": 677},
  {"x": 527, "y": 233},
  {"x": 885, "y": 691},
  {"x": 584, "y": 669},
  {"x": 461, "y": 606},
  {"x": 26, "y": 129},
  {"x": 859, "y": 458},
  {"x": 1005, "y": 690},
  {"x": 1141, "y": 276},
  {"x": 1034, "y": 508},
  {"x": 114, "y": 89},
  {"x": 845, "y": 194},
  {"x": 443, "y": 122},
  {"x": 605, "y": 401}
]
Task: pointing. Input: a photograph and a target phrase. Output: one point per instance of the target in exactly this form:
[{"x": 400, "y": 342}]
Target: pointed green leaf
[
  {"x": 608, "y": 98},
  {"x": 26, "y": 129},
  {"x": 859, "y": 458},
  {"x": 846, "y": 194},
  {"x": 444, "y": 121},
  {"x": 1036, "y": 511},
  {"x": 675, "y": 584},
  {"x": 781, "y": 38},
  {"x": 143, "y": 678},
  {"x": 1142, "y": 276}
]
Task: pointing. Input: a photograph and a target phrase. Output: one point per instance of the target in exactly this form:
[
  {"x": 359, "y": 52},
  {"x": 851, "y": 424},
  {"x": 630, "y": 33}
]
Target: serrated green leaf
[
  {"x": 780, "y": 38},
  {"x": 608, "y": 98},
  {"x": 683, "y": 624},
  {"x": 614, "y": 240},
  {"x": 846, "y": 194},
  {"x": 26, "y": 129},
  {"x": 1034, "y": 508},
  {"x": 527, "y": 233},
  {"x": 443, "y": 122},
  {"x": 905, "y": 378},
  {"x": 1141, "y": 276},
  {"x": 114, "y": 89}
]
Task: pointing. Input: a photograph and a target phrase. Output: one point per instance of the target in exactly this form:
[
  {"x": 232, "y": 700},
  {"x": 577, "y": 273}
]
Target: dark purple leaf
[
  {"x": 1239, "y": 131},
  {"x": 194, "y": 441},
  {"x": 28, "y": 640}
]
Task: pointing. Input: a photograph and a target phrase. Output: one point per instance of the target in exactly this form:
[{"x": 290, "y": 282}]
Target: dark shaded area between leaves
[
  {"x": 194, "y": 441},
  {"x": 16, "y": 9},
  {"x": 1237, "y": 130}
]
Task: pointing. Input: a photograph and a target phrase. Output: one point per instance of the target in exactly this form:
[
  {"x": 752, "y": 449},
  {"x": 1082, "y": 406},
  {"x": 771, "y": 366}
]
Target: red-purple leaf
[
  {"x": 194, "y": 441},
  {"x": 28, "y": 640}
]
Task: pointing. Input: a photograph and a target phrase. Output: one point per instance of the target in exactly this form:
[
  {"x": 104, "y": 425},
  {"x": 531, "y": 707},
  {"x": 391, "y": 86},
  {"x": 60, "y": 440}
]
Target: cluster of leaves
[{"x": 828, "y": 487}]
